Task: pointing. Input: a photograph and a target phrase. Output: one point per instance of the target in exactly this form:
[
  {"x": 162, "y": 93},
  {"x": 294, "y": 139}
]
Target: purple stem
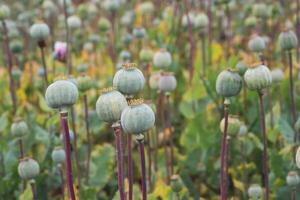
[
  {"x": 42, "y": 48},
  {"x": 143, "y": 168},
  {"x": 149, "y": 161},
  {"x": 69, "y": 172},
  {"x": 120, "y": 160},
  {"x": 202, "y": 36},
  {"x": 86, "y": 112},
  {"x": 171, "y": 133},
  {"x": 33, "y": 189},
  {"x": 130, "y": 167},
  {"x": 265, "y": 144},
  {"x": 62, "y": 181},
  {"x": 21, "y": 148},
  {"x": 67, "y": 38},
  {"x": 293, "y": 194}
]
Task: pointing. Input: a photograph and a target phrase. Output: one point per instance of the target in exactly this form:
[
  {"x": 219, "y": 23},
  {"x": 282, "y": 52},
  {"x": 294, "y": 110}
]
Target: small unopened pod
[
  {"x": 61, "y": 94},
  {"x": 241, "y": 67},
  {"x": 137, "y": 118},
  {"x": 146, "y": 55},
  {"x": 298, "y": 158},
  {"x": 111, "y": 5},
  {"x": 84, "y": 83},
  {"x": 104, "y": 24},
  {"x": 234, "y": 125},
  {"x": 288, "y": 40},
  {"x": 167, "y": 82},
  {"x": 74, "y": 22},
  {"x": 19, "y": 128},
  {"x": 277, "y": 76},
  {"x": 229, "y": 83},
  {"x": 176, "y": 183},
  {"x": 125, "y": 55},
  {"x": 16, "y": 73},
  {"x": 16, "y": 46},
  {"x": 162, "y": 59},
  {"x": 110, "y": 105},
  {"x": 147, "y": 8},
  {"x": 255, "y": 191},
  {"x": 201, "y": 21},
  {"x": 39, "y": 31},
  {"x": 256, "y": 44},
  {"x": 129, "y": 80},
  {"x": 4, "y": 12},
  {"x": 58, "y": 155},
  {"x": 292, "y": 179},
  {"x": 260, "y": 10},
  {"x": 243, "y": 130},
  {"x": 154, "y": 80},
  {"x": 139, "y": 32},
  {"x": 28, "y": 168},
  {"x": 258, "y": 77}
]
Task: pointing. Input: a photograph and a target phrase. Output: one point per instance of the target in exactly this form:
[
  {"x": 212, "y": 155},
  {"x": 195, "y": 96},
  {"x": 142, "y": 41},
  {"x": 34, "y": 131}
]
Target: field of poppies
[{"x": 149, "y": 100}]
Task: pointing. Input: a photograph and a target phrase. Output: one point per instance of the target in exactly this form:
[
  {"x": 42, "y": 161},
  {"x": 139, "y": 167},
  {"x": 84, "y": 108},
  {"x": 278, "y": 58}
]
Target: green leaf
[{"x": 27, "y": 194}]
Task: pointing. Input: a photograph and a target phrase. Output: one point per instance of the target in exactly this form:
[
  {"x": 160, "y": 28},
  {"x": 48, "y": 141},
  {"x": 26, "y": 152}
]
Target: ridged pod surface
[
  {"x": 258, "y": 77},
  {"x": 58, "y": 155},
  {"x": 256, "y": 44},
  {"x": 162, "y": 59},
  {"x": 19, "y": 128},
  {"x": 39, "y": 31},
  {"x": 234, "y": 125},
  {"x": 255, "y": 191},
  {"x": 28, "y": 168},
  {"x": 288, "y": 40},
  {"x": 229, "y": 83},
  {"x": 167, "y": 82}
]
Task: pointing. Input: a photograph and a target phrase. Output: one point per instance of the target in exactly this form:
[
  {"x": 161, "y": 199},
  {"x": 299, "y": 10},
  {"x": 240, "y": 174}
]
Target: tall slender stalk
[
  {"x": 33, "y": 189},
  {"x": 224, "y": 175},
  {"x": 89, "y": 149},
  {"x": 120, "y": 160},
  {"x": 171, "y": 133},
  {"x": 69, "y": 66},
  {"x": 42, "y": 49},
  {"x": 293, "y": 194},
  {"x": 21, "y": 148},
  {"x": 69, "y": 171},
  {"x": 202, "y": 37},
  {"x": 265, "y": 145},
  {"x": 62, "y": 181},
  {"x": 10, "y": 66},
  {"x": 129, "y": 163},
  {"x": 143, "y": 166},
  {"x": 149, "y": 161}
]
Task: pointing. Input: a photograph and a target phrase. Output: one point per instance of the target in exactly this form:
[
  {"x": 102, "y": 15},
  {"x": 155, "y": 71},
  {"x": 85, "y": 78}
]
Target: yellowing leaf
[{"x": 162, "y": 190}]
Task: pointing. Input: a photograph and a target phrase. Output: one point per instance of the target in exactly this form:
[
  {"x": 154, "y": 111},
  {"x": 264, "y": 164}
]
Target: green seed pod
[
  {"x": 201, "y": 21},
  {"x": 256, "y": 44},
  {"x": 146, "y": 55},
  {"x": 104, "y": 24},
  {"x": 74, "y": 22},
  {"x": 162, "y": 59},
  {"x": 288, "y": 40},
  {"x": 110, "y": 105},
  {"x": 16, "y": 73},
  {"x": 229, "y": 83},
  {"x": 111, "y": 5},
  {"x": 167, "y": 82},
  {"x": 260, "y": 10},
  {"x": 258, "y": 77},
  {"x": 243, "y": 130},
  {"x": 298, "y": 158},
  {"x": 127, "y": 39},
  {"x": 84, "y": 83},
  {"x": 19, "y": 128},
  {"x": 185, "y": 21},
  {"x": 277, "y": 76},
  {"x": 251, "y": 21},
  {"x": 82, "y": 68},
  {"x": 241, "y": 67},
  {"x": 129, "y": 80},
  {"x": 147, "y": 8},
  {"x": 255, "y": 191},
  {"x": 176, "y": 183},
  {"x": 88, "y": 47},
  {"x": 139, "y": 32},
  {"x": 234, "y": 125},
  {"x": 16, "y": 46},
  {"x": 28, "y": 168},
  {"x": 154, "y": 80},
  {"x": 61, "y": 94},
  {"x": 125, "y": 55},
  {"x": 4, "y": 12},
  {"x": 137, "y": 118},
  {"x": 39, "y": 31},
  {"x": 58, "y": 155},
  {"x": 292, "y": 179}
]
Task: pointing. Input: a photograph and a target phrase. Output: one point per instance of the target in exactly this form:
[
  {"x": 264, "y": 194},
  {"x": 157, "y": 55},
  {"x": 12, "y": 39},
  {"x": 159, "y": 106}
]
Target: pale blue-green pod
[
  {"x": 201, "y": 21},
  {"x": 277, "y": 76},
  {"x": 292, "y": 179},
  {"x": 162, "y": 59},
  {"x": 4, "y": 12},
  {"x": 111, "y": 5},
  {"x": 288, "y": 40},
  {"x": 260, "y": 10},
  {"x": 258, "y": 77},
  {"x": 256, "y": 44},
  {"x": 243, "y": 130},
  {"x": 110, "y": 105},
  {"x": 84, "y": 83},
  {"x": 28, "y": 168},
  {"x": 39, "y": 31},
  {"x": 19, "y": 128},
  {"x": 154, "y": 80},
  {"x": 74, "y": 22},
  {"x": 16, "y": 73},
  {"x": 58, "y": 155},
  {"x": 129, "y": 80},
  {"x": 167, "y": 82},
  {"x": 241, "y": 67},
  {"x": 147, "y": 8},
  {"x": 234, "y": 125},
  {"x": 146, "y": 55},
  {"x": 255, "y": 191},
  {"x": 16, "y": 46},
  {"x": 137, "y": 119},
  {"x": 229, "y": 83},
  {"x": 61, "y": 94},
  {"x": 139, "y": 32},
  {"x": 104, "y": 24},
  {"x": 125, "y": 55}
]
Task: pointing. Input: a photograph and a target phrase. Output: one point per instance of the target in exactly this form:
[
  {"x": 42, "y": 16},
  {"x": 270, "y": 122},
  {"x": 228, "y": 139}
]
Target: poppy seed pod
[
  {"x": 61, "y": 94},
  {"x": 256, "y": 44},
  {"x": 154, "y": 80},
  {"x": 82, "y": 68},
  {"x": 39, "y": 32},
  {"x": 28, "y": 168},
  {"x": 129, "y": 80},
  {"x": 137, "y": 118},
  {"x": 125, "y": 55},
  {"x": 277, "y": 76},
  {"x": 104, "y": 25},
  {"x": 146, "y": 55},
  {"x": 4, "y": 12},
  {"x": 255, "y": 191},
  {"x": 260, "y": 10},
  {"x": 139, "y": 32},
  {"x": 229, "y": 83},
  {"x": 147, "y": 8},
  {"x": 58, "y": 155},
  {"x": 241, "y": 67},
  {"x": 19, "y": 128},
  {"x": 185, "y": 20},
  {"x": 127, "y": 39},
  {"x": 292, "y": 179},
  {"x": 111, "y": 5},
  {"x": 162, "y": 59},
  {"x": 258, "y": 77},
  {"x": 298, "y": 158},
  {"x": 16, "y": 46},
  {"x": 84, "y": 83},
  {"x": 16, "y": 73},
  {"x": 243, "y": 130},
  {"x": 176, "y": 183},
  {"x": 251, "y": 21},
  {"x": 288, "y": 40},
  {"x": 201, "y": 21},
  {"x": 74, "y": 22},
  {"x": 167, "y": 82},
  {"x": 234, "y": 125},
  {"x": 110, "y": 105}
]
